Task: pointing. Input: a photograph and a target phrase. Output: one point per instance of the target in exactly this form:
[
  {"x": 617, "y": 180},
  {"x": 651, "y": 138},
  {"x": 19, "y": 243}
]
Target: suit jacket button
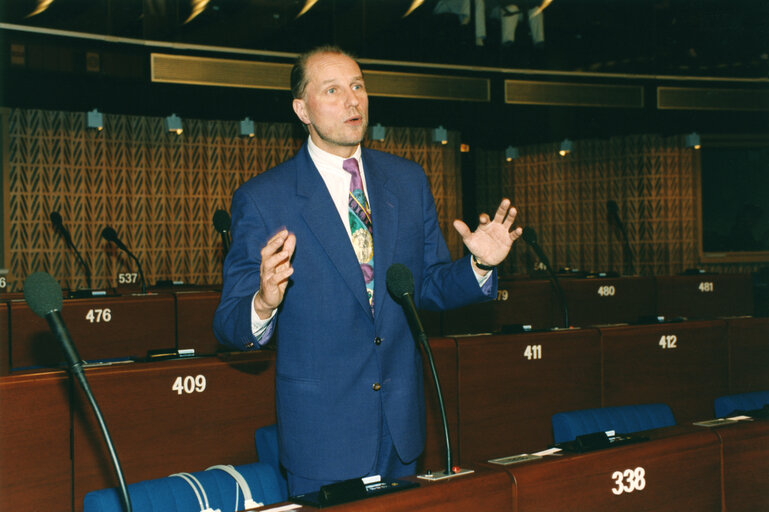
[
  {"x": 377, "y": 340},
  {"x": 376, "y": 387}
]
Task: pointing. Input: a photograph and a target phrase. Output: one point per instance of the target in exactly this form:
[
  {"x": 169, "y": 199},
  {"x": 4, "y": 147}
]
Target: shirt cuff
[
  {"x": 482, "y": 280},
  {"x": 261, "y": 329}
]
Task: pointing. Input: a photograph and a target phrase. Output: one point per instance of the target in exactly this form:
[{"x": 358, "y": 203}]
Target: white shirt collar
[{"x": 324, "y": 159}]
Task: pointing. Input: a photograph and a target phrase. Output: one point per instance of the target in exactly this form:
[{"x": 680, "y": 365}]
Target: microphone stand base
[{"x": 443, "y": 475}]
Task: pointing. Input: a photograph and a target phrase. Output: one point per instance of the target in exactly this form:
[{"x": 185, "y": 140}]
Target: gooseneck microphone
[
  {"x": 222, "y": 223},
  {"x": 530, "y": 237},
  {"x": 400, "y": 283},
  {"x": 612, "y": 215},
  {"x": 110, "y": 235},
  {"x": 43, "y": 295},
  {"x": 58, "y": 226}
]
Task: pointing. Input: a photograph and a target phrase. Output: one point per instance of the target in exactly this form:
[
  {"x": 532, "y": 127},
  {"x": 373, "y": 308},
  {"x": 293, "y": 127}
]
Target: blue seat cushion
[
  {"x": 726, "y": 405},
  {"x": 624, "y": 419},
  {"x": 174, "y": 494}
]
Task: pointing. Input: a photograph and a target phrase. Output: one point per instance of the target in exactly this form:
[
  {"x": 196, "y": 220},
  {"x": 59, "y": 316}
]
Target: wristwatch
[{"x": 481, "y": 265}]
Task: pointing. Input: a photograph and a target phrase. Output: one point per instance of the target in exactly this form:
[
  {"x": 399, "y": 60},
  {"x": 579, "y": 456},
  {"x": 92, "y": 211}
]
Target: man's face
[{"x": 335, "y": 103}]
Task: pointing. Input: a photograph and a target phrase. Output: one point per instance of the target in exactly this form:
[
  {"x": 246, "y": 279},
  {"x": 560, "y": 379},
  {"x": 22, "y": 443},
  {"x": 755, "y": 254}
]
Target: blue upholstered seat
[
  {"x": 624, "y": 419},
  {"x": 726, "y": 405},
  {"x": 175, "y": 494},
  {"x": 266, "y": 439}
]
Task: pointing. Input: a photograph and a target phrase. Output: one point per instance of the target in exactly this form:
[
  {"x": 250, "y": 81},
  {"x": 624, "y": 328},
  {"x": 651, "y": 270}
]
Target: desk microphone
[
  {"x": 58, "y": 226},
  {"x": 43, "y": 295},
  {"x": 222, "y": 223},
  {"x": 110, "y": 235},
  {"x": 400, "y": 283},
  {"x": 530, "y": 237}
]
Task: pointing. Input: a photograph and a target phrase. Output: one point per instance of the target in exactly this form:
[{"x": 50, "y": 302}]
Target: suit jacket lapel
[
  {"x": 323, "y": 220},
  {"x": 384, "y": 216}
]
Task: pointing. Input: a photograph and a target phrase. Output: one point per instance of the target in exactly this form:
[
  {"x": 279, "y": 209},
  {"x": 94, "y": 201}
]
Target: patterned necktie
[{"x": 361, "y": 228}]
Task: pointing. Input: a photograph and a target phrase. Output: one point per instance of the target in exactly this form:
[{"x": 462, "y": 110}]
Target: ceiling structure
[{"x": 650, "y": 37}]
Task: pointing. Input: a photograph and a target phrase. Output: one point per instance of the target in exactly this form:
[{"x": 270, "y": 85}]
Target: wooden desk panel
[
  {"x": 485, "y": 490},
  {"x": 609, "y": 301},
  {"x": 748, "y": 340},
  {"x": 35, "y": 466},
  {"x": 445, "y": 355},
  {"x": 472, "y": 319},
  {"x": 194, "y": 321},
  {"x": 136, "y": 324},
  {"x": 5, "y": 333},
  {"x": 431, "y": 321},
  {"x": 687, "y": 374},
  {"x": 527, "y": 302},
  {"x": 705, "y": 296},
  {"x": 159, "y": 428},
  {"x": 510, "y": 386},
  {"x": 680, "y": 472},
  {"x": 746, "y": 465},
  {"x": 518, "y": 302}
]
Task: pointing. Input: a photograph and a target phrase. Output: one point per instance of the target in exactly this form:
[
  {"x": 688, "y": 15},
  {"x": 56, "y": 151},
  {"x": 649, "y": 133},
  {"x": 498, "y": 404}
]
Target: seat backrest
[
  {"x": 726, "y": 405},
  {"x": 266, "y": 439},
  {"x": 176, "y": 494},
  {"x": 624, "y": 419}
]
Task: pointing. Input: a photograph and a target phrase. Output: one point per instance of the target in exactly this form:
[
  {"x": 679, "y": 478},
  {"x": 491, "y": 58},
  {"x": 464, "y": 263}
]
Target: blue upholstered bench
[
  {"x": 624, "y": 419},
  {"x": 215, "y": 488},
  {"x": 726, "y": 405}
]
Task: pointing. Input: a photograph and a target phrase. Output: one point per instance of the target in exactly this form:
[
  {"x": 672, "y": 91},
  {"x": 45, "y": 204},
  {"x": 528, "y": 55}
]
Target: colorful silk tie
[{"x": 361, "y": 228}]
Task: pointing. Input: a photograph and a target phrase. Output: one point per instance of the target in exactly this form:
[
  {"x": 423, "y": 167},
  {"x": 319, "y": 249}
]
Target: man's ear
[{"x": 300, "y": 110}]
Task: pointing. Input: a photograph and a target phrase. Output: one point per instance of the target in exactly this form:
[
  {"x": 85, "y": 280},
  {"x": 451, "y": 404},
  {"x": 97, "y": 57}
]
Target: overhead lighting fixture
[
  {"x": 95, "y": 120},
  {"x": 414, "y": 5},
  {"x": 247, "y": 128},
  {"x": 693, "y": 140},
  {"x": 566, "y": 147},
  {"x": 440, "y": 135},
  {"x": 40, "y": 7},
  {"x": 307, "y": 6},
  {"x": 196, "y": 7},
  {"x": 173, "y": 124},
  {"x": 511, "y": 153},
  {"x": 378, "y": 132}
]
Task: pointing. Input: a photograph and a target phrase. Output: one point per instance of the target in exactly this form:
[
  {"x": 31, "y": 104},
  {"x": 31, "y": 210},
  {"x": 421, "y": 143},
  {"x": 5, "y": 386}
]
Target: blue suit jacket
[{"x": 329, "y": 414}]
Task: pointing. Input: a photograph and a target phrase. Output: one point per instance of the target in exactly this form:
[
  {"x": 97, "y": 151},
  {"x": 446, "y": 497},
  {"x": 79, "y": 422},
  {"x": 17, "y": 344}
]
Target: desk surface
[
  {"x": 101, "y": 328},
  {"x": 511, "y": 385},
  {"x": 683, "y": 365},
  {"x": 746, "y": 465},
  {"x": 486, "y": 489},
  {"x": 171, "y": 416},
  {"x": 679, "y": 469},
  {"x": 35, "y": 460}
]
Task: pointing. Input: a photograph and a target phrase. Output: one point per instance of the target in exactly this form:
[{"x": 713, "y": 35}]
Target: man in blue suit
[{"x": 349, "y": 384}]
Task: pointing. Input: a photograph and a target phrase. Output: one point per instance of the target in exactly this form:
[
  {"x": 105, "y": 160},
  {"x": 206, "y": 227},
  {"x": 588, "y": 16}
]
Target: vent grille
[
  {"x": 691, "y": 98},
  {"x": 530, "y": 92},
  {"x": 265, "y": 75}
]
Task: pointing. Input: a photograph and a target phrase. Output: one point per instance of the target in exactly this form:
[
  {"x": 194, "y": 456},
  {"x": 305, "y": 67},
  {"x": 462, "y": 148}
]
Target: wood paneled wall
[
  {"x": 652, "y": 179},
  {"x": 158, "y": 190}
]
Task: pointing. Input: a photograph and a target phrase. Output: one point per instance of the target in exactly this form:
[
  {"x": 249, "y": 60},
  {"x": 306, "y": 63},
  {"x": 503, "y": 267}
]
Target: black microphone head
[
  {"x": 529, "y": 236},
  {"x": 611, "y": 207},
  {"x": 56, "y": 219},
  {"x": 109, "y": 234},
  {"x": 222, "y": 221},
  {"x": 400, "y": 282},
  {"x": 42, "y": 293}
]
